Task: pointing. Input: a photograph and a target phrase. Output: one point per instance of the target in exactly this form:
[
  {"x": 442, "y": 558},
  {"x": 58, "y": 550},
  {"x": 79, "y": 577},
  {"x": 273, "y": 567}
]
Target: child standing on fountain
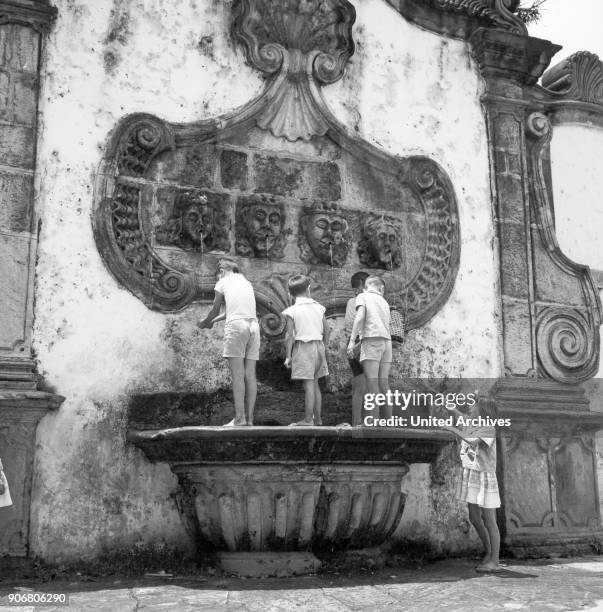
[
  {"x": 478, "y": 485},
  {"x": 372, "y": 324},
  {"x": 307, "y": 335},
  {"x": 241, "y": 336}
]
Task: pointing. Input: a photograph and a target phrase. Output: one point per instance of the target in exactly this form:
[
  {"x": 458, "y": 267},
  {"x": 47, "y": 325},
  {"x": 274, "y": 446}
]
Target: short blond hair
[{"x": 376, "y": 282}]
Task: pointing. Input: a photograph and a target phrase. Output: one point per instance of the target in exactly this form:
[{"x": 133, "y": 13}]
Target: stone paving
[{"x": 569, "y": 584}]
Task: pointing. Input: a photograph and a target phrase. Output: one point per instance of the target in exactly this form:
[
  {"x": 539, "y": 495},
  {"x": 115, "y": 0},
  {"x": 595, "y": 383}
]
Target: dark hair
[
  {"x": 228, "y": 264},
  {"x": 358, "y": 279},
  {"x": 375, "y": 280},
  {"x": 298, "y": 284},
  {"x": 487, "y": 407}
]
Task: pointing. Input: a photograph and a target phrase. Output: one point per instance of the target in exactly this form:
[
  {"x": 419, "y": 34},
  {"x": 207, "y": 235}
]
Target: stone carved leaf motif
[{"x": 579, "y": 77}]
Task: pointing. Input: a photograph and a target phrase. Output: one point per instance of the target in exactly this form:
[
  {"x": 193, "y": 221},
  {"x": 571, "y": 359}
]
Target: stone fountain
[
  {"x": 268, "y": 498},
  {"x": 283, "y": 187}
]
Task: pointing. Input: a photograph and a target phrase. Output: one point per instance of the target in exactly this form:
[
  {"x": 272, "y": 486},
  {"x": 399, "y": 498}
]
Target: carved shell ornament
[
  {"x": 579, "y": 77},
  {"x": 301, "y": 44},
  {"x": 171, "y": 198}
]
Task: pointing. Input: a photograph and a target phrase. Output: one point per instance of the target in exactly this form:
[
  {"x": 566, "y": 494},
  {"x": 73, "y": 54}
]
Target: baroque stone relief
[
  {"x": 324, "y": 235},
  {"x": 196, "y": 224},
  {"x": 331, "y": 198}
]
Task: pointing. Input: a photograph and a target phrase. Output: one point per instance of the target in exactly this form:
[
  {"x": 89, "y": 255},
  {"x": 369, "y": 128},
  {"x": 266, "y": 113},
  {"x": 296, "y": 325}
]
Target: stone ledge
[
  {"x": 203, "y": 445},
  {"x": 29, "y": 399}
]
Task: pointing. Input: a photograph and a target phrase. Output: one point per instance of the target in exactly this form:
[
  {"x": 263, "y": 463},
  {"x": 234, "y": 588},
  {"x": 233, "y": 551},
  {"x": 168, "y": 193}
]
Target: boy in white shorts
[
  {"x": 372, "y": 323},
  {"x": 307, "y": 335},
  {"x": 241, "y": 336}
]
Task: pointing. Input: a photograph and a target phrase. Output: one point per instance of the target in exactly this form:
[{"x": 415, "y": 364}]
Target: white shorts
[
  {"x": 242, "y": 339},
  {"x": 376, "y": 349},
  {"x": 308, "y": 360}
]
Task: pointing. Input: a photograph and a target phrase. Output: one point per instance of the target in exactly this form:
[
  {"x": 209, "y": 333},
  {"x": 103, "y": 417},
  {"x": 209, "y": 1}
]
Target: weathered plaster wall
[
  {"x": 407, "y": 91},
  {"x": 577, "y": 185},
  {"x": 577, "y": 170}
]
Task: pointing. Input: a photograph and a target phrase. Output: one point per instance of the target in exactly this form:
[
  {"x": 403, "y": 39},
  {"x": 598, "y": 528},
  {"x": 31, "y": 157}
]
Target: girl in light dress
[
  {"x": 5, "y": 499},
  {"x": 478, "y": 485}
]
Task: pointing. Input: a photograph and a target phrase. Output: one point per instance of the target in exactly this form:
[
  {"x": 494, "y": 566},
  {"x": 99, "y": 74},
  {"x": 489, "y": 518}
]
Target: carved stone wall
[
  {"x": 19, "y": 50},
  {"x": 22, "y": 29},
  {"x": 97, "y": 342}
]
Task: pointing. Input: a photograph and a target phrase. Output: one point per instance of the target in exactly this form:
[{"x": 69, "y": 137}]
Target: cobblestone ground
[{"x": 575, "y": 584}]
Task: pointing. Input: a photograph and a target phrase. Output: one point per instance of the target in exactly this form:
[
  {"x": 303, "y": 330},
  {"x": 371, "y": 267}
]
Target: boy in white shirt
[
  {"x": 241, "y": 336},
  {"x": 307, "y": 335},
  {"x": 358, "y": 378},
  {"x": 372, "y": 323}
]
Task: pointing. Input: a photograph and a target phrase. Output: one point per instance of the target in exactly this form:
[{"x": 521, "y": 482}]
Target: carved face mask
[
  {"x": 198, "y": 222},
  {"x": 265, "y": 226},
  {"x": 325, "y": 233},
  {"x": 385, "y": 243}
]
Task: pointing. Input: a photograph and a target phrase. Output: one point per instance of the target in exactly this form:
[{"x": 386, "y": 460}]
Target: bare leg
[
  {"x": 237, "y": 373},
  {"x": 358, "y": 391},
  {"x": 309, "y": 398},
  {"x": 384, "y": 368},
  {"x": 251, "y": 389},
  {"x": 489, "y": 518},
  {"x": 475, "y": 516},
  {"x": 317, "y": 404},
  {"x": 371, "y": 373}
]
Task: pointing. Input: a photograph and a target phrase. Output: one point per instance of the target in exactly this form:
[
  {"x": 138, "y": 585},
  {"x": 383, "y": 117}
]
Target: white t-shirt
[
  {"x": 238, "y": 295},
  {"x": 307, "y": 315},
  {"x": 377, "y": 317}
]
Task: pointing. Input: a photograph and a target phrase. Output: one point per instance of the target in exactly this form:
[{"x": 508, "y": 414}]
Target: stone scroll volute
[{"x": 280, "y": 185}]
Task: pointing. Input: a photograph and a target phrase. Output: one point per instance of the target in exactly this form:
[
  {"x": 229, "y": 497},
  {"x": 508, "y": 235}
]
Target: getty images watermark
[{"x": 452, "y": 402}]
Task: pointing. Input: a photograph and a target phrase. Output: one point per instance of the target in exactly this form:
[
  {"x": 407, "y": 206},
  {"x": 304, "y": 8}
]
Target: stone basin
[{"x": 294, "y": 490}]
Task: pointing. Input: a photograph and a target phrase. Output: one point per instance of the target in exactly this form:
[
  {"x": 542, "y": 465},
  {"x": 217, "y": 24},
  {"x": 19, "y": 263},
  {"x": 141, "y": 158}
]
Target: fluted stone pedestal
[{"x": 269, "y": 498}]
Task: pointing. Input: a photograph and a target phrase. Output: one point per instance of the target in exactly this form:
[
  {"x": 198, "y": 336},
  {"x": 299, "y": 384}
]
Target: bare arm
[
  {"x": 358, "y": 325},
  {"x": 288, "y": 341},
  {"x": 214, "y": 312},
  {"x": 326, "y": 332}
]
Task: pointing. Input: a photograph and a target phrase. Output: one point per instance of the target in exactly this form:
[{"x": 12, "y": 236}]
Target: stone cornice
[
  {"x": 460, "y": 18},
  {"x": 38, "y": 14},
  {"x": 505, "y": 55}
]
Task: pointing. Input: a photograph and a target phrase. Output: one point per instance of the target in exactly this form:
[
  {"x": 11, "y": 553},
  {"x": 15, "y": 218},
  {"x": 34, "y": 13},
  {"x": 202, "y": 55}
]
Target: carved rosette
[
  {"x": 301, "y": 44},
  {"x": 567, "y": 338}
]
